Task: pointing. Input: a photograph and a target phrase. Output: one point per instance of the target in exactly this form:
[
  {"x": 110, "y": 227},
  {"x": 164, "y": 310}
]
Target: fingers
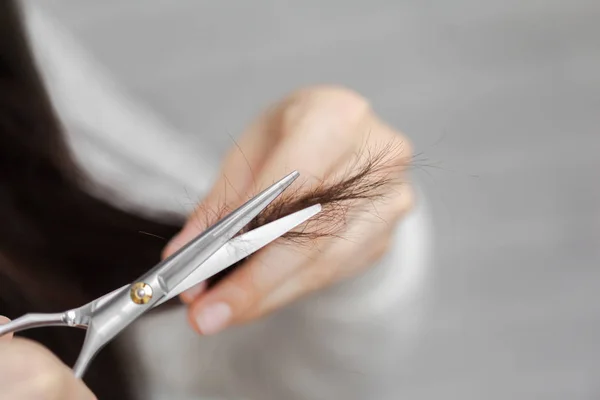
[
  {"x": 319, "y": 133},
  {"x": 340, "y": 261},
  {"x": 316, "y": 144},
  {"x": 290, "y": 136},
  {"x": 30, "y": 371},
  {"x": 282, "y": 273},
  {"x": 230, "y": 299},
  {"x": 330, "y": 260}
]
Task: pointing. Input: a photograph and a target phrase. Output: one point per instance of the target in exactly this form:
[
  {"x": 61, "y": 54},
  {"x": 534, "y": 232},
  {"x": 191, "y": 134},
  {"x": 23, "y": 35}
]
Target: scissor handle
[{"x": 29, "y": 321}]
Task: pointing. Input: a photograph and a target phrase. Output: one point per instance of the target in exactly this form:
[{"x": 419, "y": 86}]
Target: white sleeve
[{"x": 118, "y": 142}]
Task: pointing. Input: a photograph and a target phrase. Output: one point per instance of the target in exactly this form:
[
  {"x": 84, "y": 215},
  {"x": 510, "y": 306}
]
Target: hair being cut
[{"x": 61, "y": 247}]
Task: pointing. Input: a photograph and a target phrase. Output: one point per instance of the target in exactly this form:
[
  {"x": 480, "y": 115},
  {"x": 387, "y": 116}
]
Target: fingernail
[
  {"x": 190, "y": 295},
  {"x": 213, "y": 318}
]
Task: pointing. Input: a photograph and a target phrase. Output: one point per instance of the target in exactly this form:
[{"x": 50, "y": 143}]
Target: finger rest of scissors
[
  {"x": 33, "y": 320},
  {"x": 76, "y": 318}
]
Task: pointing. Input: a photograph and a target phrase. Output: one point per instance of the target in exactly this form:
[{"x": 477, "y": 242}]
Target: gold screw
[{"x": 141, "y": 293}]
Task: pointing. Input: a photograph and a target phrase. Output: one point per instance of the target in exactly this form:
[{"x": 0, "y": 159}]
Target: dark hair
[{"x": 61, "y": 247}]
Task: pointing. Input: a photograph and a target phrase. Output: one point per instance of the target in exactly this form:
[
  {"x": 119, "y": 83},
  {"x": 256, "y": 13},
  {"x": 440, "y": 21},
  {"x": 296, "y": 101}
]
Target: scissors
[{"x": 210, "y": 252}]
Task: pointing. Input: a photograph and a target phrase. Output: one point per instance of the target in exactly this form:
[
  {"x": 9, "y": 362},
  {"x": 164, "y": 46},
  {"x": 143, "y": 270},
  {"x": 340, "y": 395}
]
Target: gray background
[{"x": 502, "y": 98}]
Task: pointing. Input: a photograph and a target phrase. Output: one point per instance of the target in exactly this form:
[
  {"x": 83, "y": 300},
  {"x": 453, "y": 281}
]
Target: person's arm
[{"x": 119, "y": 142}]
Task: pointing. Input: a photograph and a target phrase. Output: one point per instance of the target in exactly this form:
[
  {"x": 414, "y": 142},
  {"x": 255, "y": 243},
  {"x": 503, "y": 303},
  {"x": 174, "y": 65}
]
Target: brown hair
[{"x": 61, "y": 247}]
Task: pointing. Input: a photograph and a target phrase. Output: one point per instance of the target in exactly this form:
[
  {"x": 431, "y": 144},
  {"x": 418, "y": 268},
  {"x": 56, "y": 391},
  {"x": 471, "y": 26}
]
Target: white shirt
[{"x": 346, "y": 342}]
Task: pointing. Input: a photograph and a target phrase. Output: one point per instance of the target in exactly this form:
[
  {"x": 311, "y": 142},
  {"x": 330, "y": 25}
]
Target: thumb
[{"x": 4, "y": 320}]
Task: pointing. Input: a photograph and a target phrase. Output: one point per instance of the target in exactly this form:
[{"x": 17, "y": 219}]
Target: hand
[
  {"x": 29, "y": 371},
  {"x": 317, "y": 132}
]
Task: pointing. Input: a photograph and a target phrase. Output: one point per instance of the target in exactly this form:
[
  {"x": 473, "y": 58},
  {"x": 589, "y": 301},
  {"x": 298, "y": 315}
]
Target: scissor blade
[
  {"x": 125, "y": 307},
  {"x": 241, "y": 247},
  {"x": 177, "y": 267}
]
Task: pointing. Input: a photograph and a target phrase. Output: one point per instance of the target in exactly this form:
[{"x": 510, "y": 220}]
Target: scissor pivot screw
[{"x": 141, "y": 293}]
